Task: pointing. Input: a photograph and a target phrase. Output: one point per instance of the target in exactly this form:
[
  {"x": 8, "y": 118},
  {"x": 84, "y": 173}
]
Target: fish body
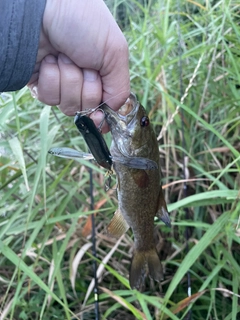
[{"x": 140, "y": 195}]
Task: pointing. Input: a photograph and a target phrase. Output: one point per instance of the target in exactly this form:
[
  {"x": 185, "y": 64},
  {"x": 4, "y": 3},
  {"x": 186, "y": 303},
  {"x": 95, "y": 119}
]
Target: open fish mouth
[
  {"x": 123, "y": 119},
  {"x": 129, "y": 106}
]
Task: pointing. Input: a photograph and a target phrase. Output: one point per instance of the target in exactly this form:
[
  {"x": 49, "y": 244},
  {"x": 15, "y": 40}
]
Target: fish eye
[{"x": 144, "y": 122}]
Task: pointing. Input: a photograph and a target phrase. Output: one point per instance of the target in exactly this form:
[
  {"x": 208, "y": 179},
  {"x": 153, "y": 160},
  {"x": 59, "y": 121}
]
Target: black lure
[{"x": 94, "y": 140}]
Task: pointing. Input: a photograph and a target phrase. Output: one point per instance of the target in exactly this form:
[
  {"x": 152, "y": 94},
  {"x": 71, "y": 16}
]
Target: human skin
[{"x": 82, "y": 58}]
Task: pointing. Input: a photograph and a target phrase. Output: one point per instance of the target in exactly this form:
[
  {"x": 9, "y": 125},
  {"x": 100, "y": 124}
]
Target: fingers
[
  {"x": 80, "y": 89},
  {"x": 59, "y": 81},
  {"x": 91, "y": 90},
  {"x": 47, "y": 85},
  {"x": 71, "y": 82}
]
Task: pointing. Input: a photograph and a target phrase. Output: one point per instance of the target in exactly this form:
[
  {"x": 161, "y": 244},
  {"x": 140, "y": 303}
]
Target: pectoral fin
[
  {"x": 118, "y": 225},
  {"x": 162, "y": 212},
  {"x": 136, "y": 162}
]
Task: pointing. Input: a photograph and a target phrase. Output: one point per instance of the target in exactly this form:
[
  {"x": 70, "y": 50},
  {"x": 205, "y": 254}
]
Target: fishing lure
[{"x": 94, "y": 140}]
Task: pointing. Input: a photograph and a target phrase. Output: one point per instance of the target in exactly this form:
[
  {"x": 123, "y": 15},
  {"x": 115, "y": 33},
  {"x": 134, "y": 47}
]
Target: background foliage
[{"x": 184, "y": 56}]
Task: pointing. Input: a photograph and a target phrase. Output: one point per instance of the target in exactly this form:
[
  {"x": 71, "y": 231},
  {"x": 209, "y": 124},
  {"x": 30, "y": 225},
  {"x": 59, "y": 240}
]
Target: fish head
[{"x": 130, "y": 127}]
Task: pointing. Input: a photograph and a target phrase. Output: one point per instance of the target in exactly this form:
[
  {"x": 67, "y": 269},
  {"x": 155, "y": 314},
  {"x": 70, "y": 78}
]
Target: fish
[{"x": 139, "y": 191}]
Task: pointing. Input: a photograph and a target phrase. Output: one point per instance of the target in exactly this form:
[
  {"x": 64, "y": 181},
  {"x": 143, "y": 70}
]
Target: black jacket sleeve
[{"x": 20, "y": 25}]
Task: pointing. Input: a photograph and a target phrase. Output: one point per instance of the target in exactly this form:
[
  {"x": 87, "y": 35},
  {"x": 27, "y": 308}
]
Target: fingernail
[
  {"x": 50, "y": 59},
  {"x": 64, "y": 58},
  {"x": 90, "y": 75},
  {"x": 34, "y": 91}
]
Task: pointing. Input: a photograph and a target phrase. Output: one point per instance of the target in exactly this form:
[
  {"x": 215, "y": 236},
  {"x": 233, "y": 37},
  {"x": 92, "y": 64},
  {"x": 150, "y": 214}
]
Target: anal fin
[
  {"x": 162, "y": 212},
  {"x": 118, "y": 225}
]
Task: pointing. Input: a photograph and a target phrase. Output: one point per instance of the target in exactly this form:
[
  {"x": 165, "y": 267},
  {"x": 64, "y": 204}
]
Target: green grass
[{"x": 46, "y": 262}]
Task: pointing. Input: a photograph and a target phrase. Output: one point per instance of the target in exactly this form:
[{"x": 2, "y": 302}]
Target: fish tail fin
[{"x": 145, "y": 263}]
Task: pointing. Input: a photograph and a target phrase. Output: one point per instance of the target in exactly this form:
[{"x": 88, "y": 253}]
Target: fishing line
[
  {"x": 94, "y": 251},
  {"x": 61, "y": 124},
  {"x": 89, "y": 111},
  {"x": 189, "y": 314}
]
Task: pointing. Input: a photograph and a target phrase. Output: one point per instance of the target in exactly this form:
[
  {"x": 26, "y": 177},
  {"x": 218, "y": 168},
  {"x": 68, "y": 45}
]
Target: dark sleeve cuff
[{"x": 20, "y": 27}]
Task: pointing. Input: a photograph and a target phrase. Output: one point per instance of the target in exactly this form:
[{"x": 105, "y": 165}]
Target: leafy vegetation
[{"x": 185, "y": 69}]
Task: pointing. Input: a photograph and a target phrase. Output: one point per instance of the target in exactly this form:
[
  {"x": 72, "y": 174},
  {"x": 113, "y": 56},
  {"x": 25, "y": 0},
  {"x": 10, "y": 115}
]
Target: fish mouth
[
  {"x": 128, "y": 107},
  {"x": 122, "y": 119}
]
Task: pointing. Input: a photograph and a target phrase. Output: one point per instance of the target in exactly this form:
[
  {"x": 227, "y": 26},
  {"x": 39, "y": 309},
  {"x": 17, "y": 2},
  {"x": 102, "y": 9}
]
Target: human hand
[{"x": 82, "y": 58}]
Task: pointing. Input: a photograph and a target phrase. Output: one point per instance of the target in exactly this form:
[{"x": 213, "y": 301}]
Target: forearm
[{"x": 20, "y": 25}]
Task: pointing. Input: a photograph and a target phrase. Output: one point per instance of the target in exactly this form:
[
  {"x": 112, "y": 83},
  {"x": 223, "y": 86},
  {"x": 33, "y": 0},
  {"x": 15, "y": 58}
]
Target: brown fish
[{"x": 140, "y": 195}]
